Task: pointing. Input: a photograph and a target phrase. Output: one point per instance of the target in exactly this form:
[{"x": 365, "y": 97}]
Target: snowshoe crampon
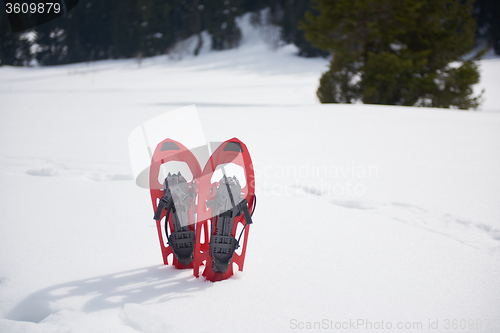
[
  {"x": 175, "y": 201},
  {"x": 223, "y": 212}
]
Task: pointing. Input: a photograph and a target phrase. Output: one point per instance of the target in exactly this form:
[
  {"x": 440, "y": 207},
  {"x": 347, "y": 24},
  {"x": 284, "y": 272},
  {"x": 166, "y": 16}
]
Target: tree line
[{"x": 112, "y": 29}]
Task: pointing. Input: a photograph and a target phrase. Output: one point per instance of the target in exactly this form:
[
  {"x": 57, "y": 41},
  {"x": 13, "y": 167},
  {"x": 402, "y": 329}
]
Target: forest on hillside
[{"x": 113, "y": 29}]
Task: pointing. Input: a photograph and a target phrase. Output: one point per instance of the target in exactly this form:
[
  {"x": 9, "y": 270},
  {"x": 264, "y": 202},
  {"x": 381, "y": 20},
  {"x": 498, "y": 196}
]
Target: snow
[{"x": 365, "y": 213}]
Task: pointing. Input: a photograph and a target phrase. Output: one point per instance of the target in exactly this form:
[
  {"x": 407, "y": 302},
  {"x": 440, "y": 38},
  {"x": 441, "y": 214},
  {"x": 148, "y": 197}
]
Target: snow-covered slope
[{"x": 366, "y": 214}]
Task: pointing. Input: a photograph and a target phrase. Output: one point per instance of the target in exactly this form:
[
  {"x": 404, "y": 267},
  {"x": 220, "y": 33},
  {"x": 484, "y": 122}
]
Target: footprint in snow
[
  {"x": 354, "y": 204},
  {"x": 309, "y": 190},
  {"x": 46, "y": 171},
  {"x": 102, "y": 177},
  {"x": 476, "y": 234}
]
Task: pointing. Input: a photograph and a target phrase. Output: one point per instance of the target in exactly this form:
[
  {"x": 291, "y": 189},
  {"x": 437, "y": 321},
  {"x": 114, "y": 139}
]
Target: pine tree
[
  {"x": 88, "y": 31},
  {"x": 52, "y": 43},
  {"x": 487, "y": 14},
  {"x": 293, "y": 12},
  {"x": 221, "y": 23},
  {"x": 494, "y": 10},
  {"x": 400, "y": 52},
  {"x": 127, "y": 20},
  {"x": 14, "y": 47}
]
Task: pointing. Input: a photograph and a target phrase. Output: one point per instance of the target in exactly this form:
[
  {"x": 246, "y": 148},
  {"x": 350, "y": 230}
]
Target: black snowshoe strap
[
  {"x": 182, "y": 243},
  {"x": 246, "y": 213},
  {"x": 166, "y": 202},
  {"x": 229, "y": 191},
  {"x": 222, "y": 249},
  {"x": 254, "y": 204},
  {"x": 243, "y": 205}
]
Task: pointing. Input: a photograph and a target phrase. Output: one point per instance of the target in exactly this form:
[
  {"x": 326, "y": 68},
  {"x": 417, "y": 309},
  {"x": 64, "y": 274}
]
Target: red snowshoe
[
  {"x": 175, "y": 200},
  {"x": 223, "y": 213}
]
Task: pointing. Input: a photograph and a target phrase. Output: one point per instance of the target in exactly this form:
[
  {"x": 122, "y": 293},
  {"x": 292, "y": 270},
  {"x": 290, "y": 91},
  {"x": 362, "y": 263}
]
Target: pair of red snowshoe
[{"x": 203, "y": 220}]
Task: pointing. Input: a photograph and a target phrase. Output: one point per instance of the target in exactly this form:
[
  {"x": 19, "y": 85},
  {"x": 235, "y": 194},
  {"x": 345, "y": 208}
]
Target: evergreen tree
[
  {"x": 286, "y": 14},
  {"x": 221, "y": 23},
  {"x": 293, "y": 13},
  {"x": 51, "y": 40},
  {"x": 488, "y": 22},
  {"x": 154, "y": 32},
  {"x": 126, "y": 26},
  {"x": 88, "y": 31},
  {"x": 14, "y": 48},
  {"x": 83, "y": 34},
  {"x": 495, "y": 26},
  {"x": 401, "y": 52}
]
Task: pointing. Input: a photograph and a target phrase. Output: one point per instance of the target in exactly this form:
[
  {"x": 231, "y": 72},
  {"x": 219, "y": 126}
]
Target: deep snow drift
[{"x": 365, "y": 213}]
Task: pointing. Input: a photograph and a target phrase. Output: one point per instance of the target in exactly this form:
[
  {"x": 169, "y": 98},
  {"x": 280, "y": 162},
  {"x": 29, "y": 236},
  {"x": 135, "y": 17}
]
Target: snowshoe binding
[
  {"x": 223, "y": 243},
  {"x": 177, "y": 201}
]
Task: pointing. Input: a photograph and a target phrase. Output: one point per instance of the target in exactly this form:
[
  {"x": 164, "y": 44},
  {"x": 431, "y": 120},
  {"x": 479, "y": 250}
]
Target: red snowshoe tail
[
  {"x": 175, "y": 200},
  {"x": 222, "y": 207}
]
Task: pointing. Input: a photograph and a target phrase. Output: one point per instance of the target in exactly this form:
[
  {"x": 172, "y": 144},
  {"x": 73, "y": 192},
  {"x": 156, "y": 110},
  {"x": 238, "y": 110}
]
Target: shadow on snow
[{"x": 155, "y": 284}]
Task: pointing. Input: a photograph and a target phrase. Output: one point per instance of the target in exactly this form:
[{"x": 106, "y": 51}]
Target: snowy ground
[{"x": 366, "y": 214}]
